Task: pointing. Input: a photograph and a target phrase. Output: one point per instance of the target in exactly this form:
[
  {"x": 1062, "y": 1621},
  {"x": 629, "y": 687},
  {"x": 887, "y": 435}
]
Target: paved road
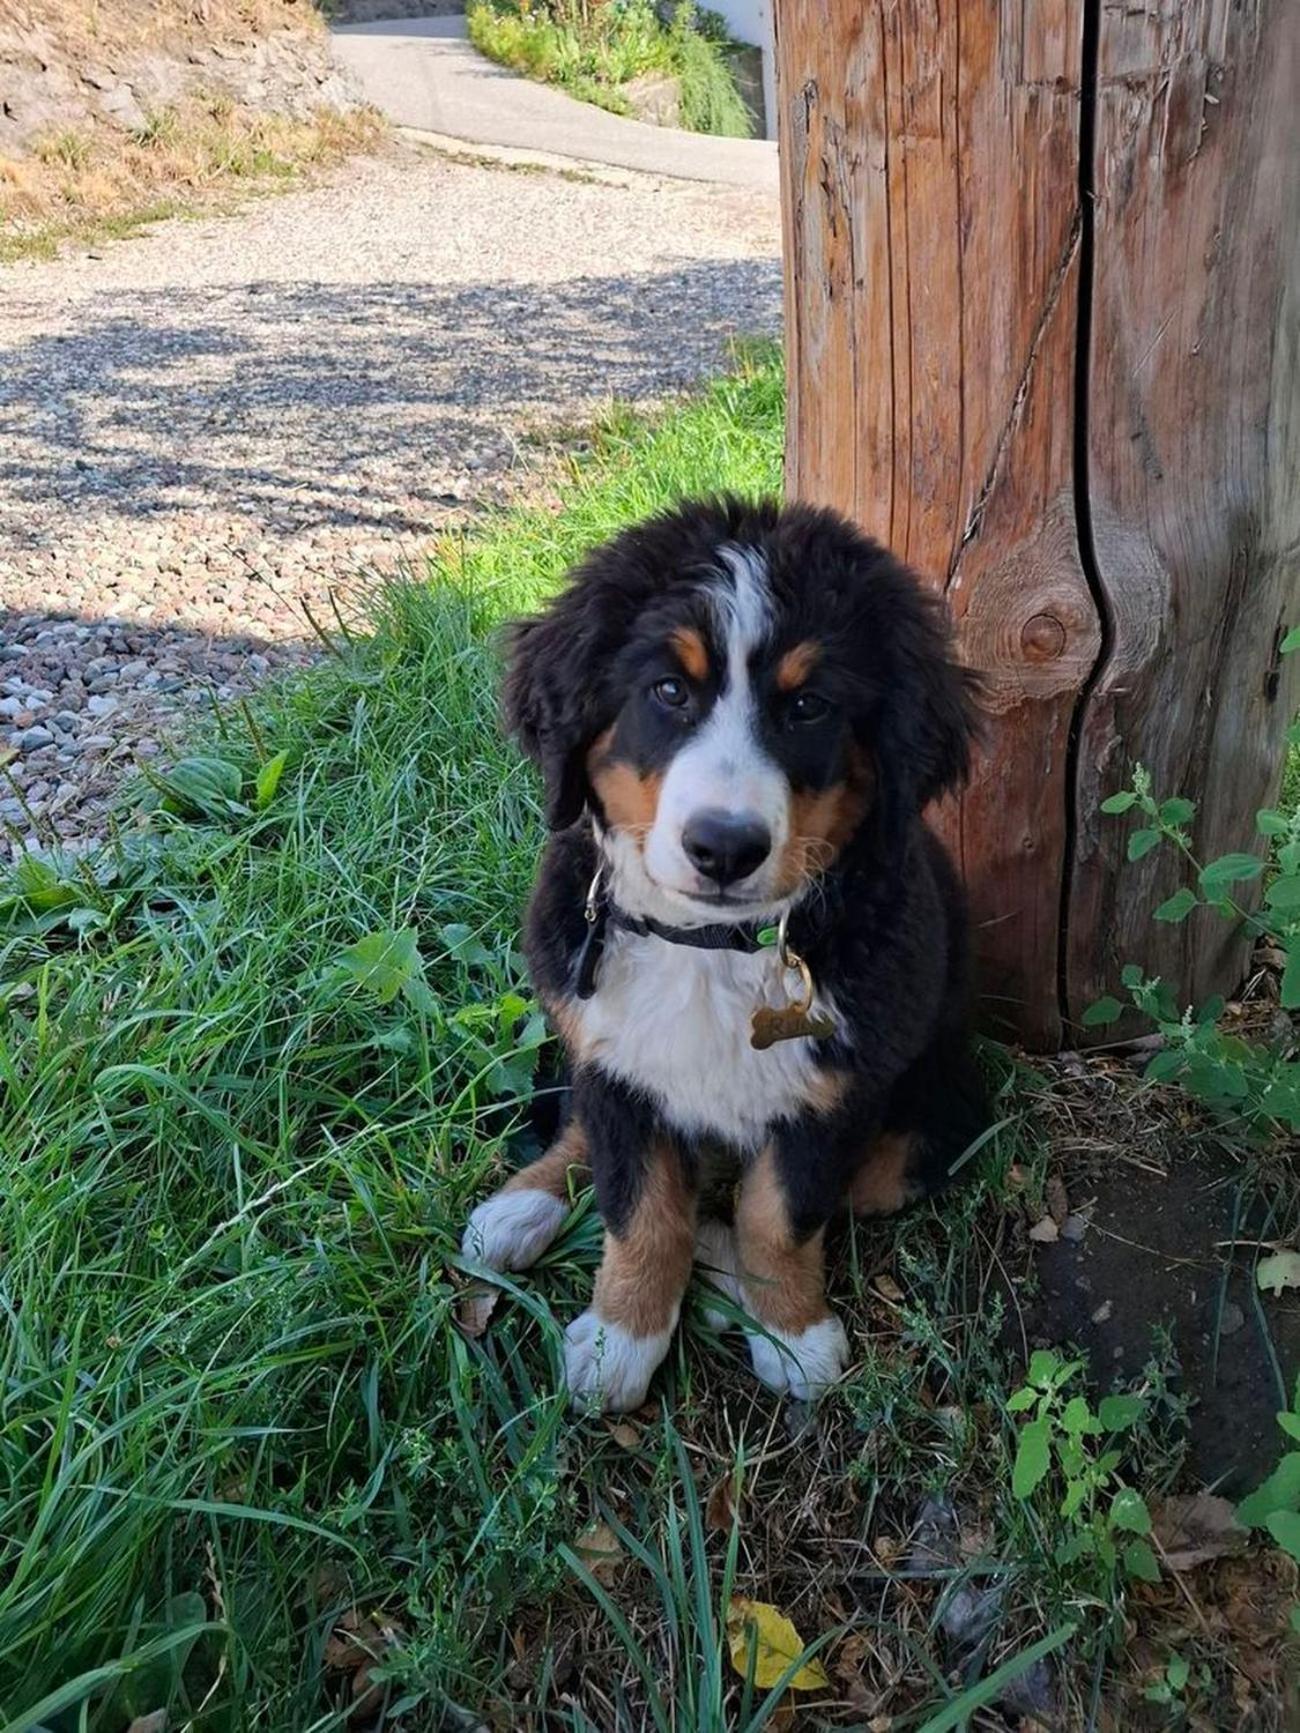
[{"x": 424, "y": 74}]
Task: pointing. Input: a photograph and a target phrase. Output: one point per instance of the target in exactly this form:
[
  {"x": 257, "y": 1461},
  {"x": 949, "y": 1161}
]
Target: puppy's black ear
[
  {"x": 550, "y": 699},
  {"x": 927, "y": 723}
]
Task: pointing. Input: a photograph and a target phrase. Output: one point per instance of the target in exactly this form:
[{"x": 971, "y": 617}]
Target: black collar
[
  {"x": 722, "y": 936},
  {"x": 602, "y": 913}
]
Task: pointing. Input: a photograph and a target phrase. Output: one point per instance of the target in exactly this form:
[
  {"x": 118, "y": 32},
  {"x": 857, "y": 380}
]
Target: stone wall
[{"x": 59, "y": 76}]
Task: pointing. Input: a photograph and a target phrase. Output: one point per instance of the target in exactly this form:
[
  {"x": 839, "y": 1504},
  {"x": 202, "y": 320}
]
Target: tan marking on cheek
[
  {"x": 821, "y": 822},
  {"x": 785, "y": 1281},
  {"x": 550, "y": 1172},
  {"x": 884, "y": 1184},
  {"x": 629, "y": 800},
  {"x": 691, "y": 652},
  {"x": 796, "y": 665},
  {"x": 645, "y": 1268}
]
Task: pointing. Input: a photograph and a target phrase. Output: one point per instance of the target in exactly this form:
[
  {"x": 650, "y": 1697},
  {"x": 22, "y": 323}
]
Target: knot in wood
[{"x": 1042, "y": 638}]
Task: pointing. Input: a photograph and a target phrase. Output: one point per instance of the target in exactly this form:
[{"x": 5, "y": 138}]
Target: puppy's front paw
[
  {"x": 511, "y": 1229},
  {"x": 801, "y": 1363},
  {"x": 605, "y": 1366}
]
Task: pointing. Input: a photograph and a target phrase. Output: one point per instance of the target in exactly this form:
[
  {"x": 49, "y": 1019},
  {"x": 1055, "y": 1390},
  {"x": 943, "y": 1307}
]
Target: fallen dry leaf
[
  {"x": 1191, "y": 1529},
  {"x": 764, "y": 1630},
  {"x": 155, "y": 1723},
  {"x": 599, "y": 1549},
  {"x": 623, "y": 1432},
  {"x": 1280, "y": 1271},
  {"x": 887, "y": 1288},
  {"x": 1045, "y": 1232},
  {"x": 1057, "y": 1199},
  {"x": 475, "y": 1307},
  {"x": 721, "y": 1511},
  {"x": 356, "y": 1645}
]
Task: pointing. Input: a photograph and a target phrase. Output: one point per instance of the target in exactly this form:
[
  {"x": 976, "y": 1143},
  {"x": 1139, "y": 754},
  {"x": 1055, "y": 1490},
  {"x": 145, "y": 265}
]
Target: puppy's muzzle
[{"x": 725, "y": 846}]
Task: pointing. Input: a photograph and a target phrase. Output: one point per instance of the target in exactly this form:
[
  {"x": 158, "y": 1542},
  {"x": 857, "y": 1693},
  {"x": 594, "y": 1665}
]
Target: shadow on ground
[{"x": 305, "y": 403}]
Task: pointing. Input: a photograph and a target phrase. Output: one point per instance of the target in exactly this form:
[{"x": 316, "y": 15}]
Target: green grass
[
  {"x": 592, "y": 51},
  {"x": 256, "y": 1061}
]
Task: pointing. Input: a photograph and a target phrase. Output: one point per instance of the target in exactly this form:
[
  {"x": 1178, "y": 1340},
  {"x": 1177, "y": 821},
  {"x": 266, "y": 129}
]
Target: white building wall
[{"x": 751, "y": 21}]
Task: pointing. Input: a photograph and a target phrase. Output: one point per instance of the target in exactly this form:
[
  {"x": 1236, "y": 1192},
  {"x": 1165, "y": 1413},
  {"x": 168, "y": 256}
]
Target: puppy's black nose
[{"x": 725, "y": 846}]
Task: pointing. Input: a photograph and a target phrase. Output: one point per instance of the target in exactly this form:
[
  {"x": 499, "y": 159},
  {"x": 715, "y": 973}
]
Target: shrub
[{"x": 592, "y": 48}]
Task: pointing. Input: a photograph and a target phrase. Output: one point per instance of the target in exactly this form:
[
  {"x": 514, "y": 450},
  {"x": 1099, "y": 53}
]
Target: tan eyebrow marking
[
  {"x": 691, "y": 652},
  {"x": 797, "y": 664}
]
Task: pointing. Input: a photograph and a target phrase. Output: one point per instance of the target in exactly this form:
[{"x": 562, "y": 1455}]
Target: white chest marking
[{"x": 674, "y": 1022}]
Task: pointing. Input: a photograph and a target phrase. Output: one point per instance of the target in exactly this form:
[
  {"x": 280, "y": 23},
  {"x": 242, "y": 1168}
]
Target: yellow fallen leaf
[
  {"x": 775, "y": 1643},
  {"x": 599, "y": 1549}
]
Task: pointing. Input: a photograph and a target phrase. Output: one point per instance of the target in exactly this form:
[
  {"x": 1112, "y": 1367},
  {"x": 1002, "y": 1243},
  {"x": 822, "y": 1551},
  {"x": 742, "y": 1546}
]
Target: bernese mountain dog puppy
[{"x": 750, "y": 944}]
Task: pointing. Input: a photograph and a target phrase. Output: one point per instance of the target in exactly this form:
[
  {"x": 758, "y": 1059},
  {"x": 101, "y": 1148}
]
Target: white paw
[
  {"x": 607, "y": 1367},
  {"x": 511, "y": 1229},
  {"x": 717, "y": 1263},
  {"x": 801, "y": 1363}
]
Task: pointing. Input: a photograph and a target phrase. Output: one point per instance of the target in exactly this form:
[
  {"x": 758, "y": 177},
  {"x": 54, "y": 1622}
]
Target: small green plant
[
  {"x": 69, "y": 149},
  {"x": 1170, "y": 1689},
  {"x": 1106, "y": 1519},
  {"x": 1275, "y": 1504},
  {"x": 1259, "y": 1084}
]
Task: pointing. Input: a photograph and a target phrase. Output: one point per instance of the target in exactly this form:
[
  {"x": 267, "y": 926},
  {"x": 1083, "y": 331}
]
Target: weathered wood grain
[
  {"x": 930, "y": 152},
  {"x": 1193, "y": 458}
]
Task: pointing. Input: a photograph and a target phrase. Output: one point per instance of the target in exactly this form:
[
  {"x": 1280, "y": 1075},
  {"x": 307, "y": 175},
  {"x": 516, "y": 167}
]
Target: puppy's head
[{"x": 737, "y": 693}]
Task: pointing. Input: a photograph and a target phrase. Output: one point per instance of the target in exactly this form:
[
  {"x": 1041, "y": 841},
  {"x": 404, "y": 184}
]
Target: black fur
[{"x": 886, "y": 935}]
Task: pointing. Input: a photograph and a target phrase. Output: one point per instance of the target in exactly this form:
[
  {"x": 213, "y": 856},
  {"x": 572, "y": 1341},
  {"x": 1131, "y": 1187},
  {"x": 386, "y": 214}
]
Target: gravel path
[{"x": 203, "y": 428}]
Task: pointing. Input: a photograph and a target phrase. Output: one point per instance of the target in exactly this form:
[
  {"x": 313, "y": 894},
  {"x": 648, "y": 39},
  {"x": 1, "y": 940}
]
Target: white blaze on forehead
[{"x": 725, "y": 765}]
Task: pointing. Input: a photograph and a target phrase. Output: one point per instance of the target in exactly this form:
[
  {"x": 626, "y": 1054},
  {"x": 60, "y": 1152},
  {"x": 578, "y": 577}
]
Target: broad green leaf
[
  {"x": 1075, "y": 1494},
  {"x": 384, "y": 963},
  {"x": 1178, "y": 1672},
  {"x": 1140, "y": 1562},
  {"x": 1033, "y": 1457},
  {"x": 1290, "y": 988},
  {"x": 1129, "y": 1511},
  {"x": 1271, "y": 823},
  {"x": 1104, "y": 1010},
  {"x": 1142, "y": 842},
  {"x": 1121, "y": 802},
  {"x": 1117, "y": 1413},
  {"x": 761, "y": 1638},
  {"x": 1290, "y": 643},
  {"x": 1178, "y": 906},
  {"x": 464, "y": 944},
  {"x": 40, "y": 886},
  {"x": 1020, "y": 1400},
  {"x": 1281, "y": 1491},
  {"x": 1229, "y": 869},
  {"x": 1077, "y": 1416},
  {"x": 1284, "y": 894},
  {"x": 1290, "y": 1423},
  {"x": 1043, "y": 1366},
  {"x": 1078, "y": 1546},
  {"x": 1131, "y": 975},
  {"x": 1177, "y": 810},
  {"x": 268, "y": 780},
  {"x": 1284, "y": 1526},
  {"x": 201, "y": 784}
]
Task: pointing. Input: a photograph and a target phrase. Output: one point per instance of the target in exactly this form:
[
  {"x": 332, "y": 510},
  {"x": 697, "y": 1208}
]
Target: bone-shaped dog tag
[{"x": 768, "y": 1025}]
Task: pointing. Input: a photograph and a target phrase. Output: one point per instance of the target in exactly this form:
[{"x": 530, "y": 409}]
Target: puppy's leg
[
  {"x": 936, "y": 1111},
  {"x": 612, "y": 1350},
  {"x": 781, "y": 1267},
  {"x": 511, "y": 1229}
]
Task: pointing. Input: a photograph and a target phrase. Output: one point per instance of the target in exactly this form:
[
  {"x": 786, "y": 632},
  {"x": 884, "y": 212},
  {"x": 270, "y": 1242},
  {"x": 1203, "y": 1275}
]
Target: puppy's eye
[
  {"x": 671, "y": 692},
  {"x": 808, "y": 707}
]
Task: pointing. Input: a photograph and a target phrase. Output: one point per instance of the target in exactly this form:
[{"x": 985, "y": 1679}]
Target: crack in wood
[{"x": 1054, "y": 291}]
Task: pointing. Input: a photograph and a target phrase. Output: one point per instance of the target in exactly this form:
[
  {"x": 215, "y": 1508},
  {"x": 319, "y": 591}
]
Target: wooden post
[{"x": 1043, "y": 338}]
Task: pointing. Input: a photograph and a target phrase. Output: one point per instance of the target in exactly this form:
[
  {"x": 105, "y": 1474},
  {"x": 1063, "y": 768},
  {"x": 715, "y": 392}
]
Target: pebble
[{"x": 30, "y": 739}]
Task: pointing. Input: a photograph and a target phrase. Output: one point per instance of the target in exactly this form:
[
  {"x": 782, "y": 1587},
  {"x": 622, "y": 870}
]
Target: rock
[
  {"x": 655, "y": 97},
  {"x": 32, "y": 739}
]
